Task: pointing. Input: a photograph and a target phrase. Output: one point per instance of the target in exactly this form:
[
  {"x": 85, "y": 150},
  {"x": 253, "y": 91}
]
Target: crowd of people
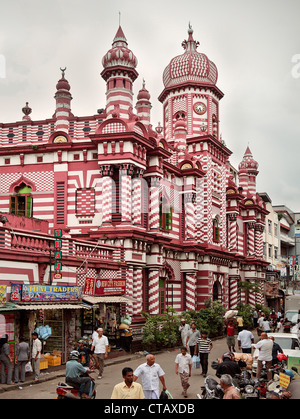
[{"x": 196, "y": 347}]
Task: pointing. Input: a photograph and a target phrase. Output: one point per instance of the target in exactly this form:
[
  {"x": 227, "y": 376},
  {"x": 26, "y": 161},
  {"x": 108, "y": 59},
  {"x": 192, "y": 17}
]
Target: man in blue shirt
[{"x": 74, "y": 372}]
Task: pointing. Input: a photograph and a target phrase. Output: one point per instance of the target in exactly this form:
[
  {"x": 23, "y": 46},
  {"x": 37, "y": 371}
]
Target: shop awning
[
  {"x": 8, "y": 307},
  {"x": 52, "y": 306},
  {"x": 95, "y": 299}
]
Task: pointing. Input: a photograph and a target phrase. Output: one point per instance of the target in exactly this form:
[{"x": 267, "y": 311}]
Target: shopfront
[{"x": 52, "y": 312}]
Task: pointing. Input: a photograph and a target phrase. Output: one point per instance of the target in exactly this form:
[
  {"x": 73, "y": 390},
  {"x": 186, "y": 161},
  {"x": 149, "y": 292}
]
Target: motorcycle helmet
[
  {"x": 281, "y": 357},
  {"x": 74, "y": 355},
  {"x": 228, "y": 355},
  {"x": 289, "y": 373}
]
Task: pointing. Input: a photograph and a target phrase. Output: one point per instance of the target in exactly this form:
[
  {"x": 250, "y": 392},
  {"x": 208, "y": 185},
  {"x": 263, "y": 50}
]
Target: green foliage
[
  {"x": 208, "y": 319},
  {"x": 161, "y": 329}
]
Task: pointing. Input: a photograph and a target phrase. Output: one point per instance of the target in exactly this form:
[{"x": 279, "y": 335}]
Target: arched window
[
  {"x": 21, "y": 201},
  {"x": 216, "y": 230}
]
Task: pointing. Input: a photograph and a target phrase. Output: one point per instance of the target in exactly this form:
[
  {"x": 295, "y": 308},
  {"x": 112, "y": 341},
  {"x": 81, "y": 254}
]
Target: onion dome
[
  {"x": 119, "y": 54},
  {"x": 143, "y": 94},
  {"x": 248, "y": 164},
  {"x": 63, "y": 84},
  {"x": 190, "y": 66}
]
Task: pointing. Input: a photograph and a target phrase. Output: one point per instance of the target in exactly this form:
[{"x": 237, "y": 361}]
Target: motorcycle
[
  {"x": 211, "y": 389},
  {"x": 65, "y": 391},
  {"x": 248, "y": 387}
]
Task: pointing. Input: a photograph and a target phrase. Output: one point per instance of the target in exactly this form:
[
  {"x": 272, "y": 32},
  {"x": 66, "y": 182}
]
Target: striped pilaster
[
  {"x": 233, "y": 293},
  {"x": 154, "y": 204},
  {"x": 252, "y": 296},
  {"x": 129, "y": 290},
  {"x": 137, "y": 201},
  {"x": 190, "y": 227},
  {"x": 125, "y": 196},
  {"x": 190, "y": 291},
  {"x": 251, "y": 248},
  {"x": 232, "y": 232},
  {"x": 138, "y": 290},
  {"x": 107, "y": 194},
  {"x": 259, "y": 240},
  {"x": 153, "y": 292}
]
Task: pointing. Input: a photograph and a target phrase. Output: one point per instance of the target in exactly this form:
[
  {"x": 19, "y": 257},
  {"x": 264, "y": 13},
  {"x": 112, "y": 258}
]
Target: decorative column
[
  {"x": 154, "y": 203},
  {"x": 190, "y": 291},
  {"x": 190, "y": 227},
  {"x": 154, "y": 291},
  {"x": 137, "y": 197},
  {"x": 250, "y": 242},
  {"x": 252, "y": 295},
  {"x": 129, "y": 290},
  {"x": 107, "y": 190},
  {"x": 126, "y": 171},
  {"x": 233, "y": 292},
  {"x": 232, "y": 232},
  {"x": 259, "y": 228},
  {"x": 138, "y": 290}
]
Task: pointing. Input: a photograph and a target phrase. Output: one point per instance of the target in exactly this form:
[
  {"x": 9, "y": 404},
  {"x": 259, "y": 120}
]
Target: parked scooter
[{"x": 65, "y": 391}]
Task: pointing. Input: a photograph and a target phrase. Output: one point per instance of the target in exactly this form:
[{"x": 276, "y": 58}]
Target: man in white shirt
[
  {"x": 183, "y": 363},
  {"x": 245, "y": 340},
  {"x": 100, "y": 348},
  {"x": 36, "y": 355},
  {"x": 265, "y": 346},
  {"x": 150, "y": 373}
]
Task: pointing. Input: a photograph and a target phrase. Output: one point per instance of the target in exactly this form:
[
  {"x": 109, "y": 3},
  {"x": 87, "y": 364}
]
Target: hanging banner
[
  {"x": 46, "y": 293},
  {"x": 2, "y": 294}
]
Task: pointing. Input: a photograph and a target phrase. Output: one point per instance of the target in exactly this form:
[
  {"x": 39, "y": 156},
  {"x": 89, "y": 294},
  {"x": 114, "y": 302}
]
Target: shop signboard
[
  {"x": 110, "y": 287},
  {"x": 45, "y": 293},
  {"x": 294, "y": 362}
]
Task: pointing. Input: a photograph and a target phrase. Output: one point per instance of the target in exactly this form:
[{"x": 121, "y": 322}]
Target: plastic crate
[
  {"x": 53, "y": 362},
  {"x": 43, "y": 364}
]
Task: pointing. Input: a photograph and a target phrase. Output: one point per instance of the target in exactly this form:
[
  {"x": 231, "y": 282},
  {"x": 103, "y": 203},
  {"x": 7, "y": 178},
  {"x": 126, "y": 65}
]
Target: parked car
[{"x": 289, "y": 343}]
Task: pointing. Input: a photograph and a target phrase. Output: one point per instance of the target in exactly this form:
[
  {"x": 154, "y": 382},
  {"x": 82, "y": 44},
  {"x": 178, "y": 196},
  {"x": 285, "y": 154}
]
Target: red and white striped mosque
[{"x": 151, "y": 216}]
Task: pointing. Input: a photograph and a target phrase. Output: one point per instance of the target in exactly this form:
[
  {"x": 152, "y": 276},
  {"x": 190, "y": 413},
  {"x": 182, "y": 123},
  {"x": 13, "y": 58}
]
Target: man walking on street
[
  {"x": 150, "y": 373},
  {"x": 36, "y": 355},
  {"x": 183, "y": 363},
  {"x": 245, "y": 340},
  {"x": 192, "y": 337},
  {"x": 204, "y": 346},
  {"x": 128, "y": 389},
  {"x": 100, "y": 348}
]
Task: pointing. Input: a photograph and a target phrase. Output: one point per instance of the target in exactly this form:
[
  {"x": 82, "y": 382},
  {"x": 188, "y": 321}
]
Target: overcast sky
[{"x": 254, "y": 44}]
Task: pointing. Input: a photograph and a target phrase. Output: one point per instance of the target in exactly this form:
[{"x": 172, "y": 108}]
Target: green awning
[{"x": 8, "y": 307}]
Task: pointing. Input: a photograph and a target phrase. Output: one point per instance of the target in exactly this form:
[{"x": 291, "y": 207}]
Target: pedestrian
[
  {"x": 22, "y": 357},
  {"x": 192, "y": 337},
  {"x": 280, "y": 327},
  {"x": 230, "y": 329},
  {"x": 275, "y": 351},
  {"x": 230, "y": 392},
  {"x": 183, "y": 329},
  {"x": 183, "y": 363},
  {"x": 255, "y": 318},
  {"x": 265, "y": 347},
  {"x": 151, "y": 374},
  {"x": 204, "y": 346},
  {"x": 128, "y": 389},
  {"x": 85, "y": 354},
  {"x": 266, "y": 327},
  {"x": 36, "y": 356},
  {"x": 6, "y": 360},
  {"x": 240, "y": 323},
  {"x": 259, "y": 323},
  {"x": 100, "y": 349},
  {"x": 245, "y": 340}
]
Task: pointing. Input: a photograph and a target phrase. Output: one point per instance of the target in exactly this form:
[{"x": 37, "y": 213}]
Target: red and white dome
[
  {"x": 190, "y": 66},
  {"x": 119, "y": 54}
]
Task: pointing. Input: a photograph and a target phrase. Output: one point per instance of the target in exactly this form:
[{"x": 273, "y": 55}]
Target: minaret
[
  {"x": 119, "y": 73},
  {"x": 63, "y": 99},
  {"x": 247, "y": 173},
  {"x": 143, "y": 105}
]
